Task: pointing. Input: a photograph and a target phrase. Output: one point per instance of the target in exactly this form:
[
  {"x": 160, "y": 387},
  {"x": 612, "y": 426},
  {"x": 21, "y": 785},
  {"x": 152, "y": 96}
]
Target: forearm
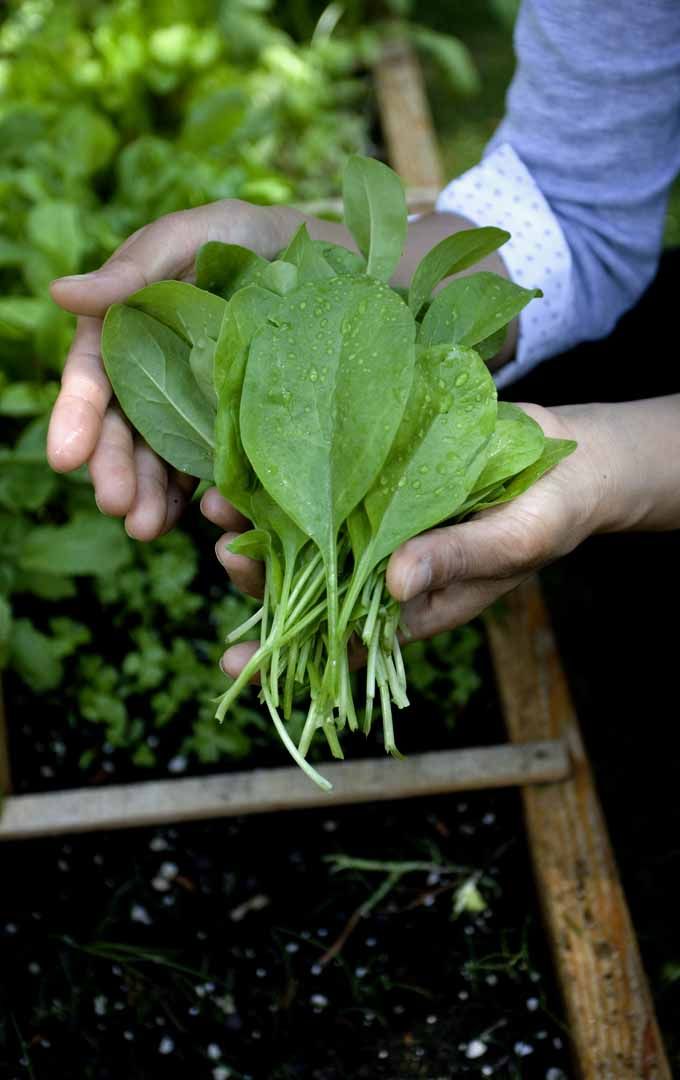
[
  {"x": 423, "y": 234},
  {"x": 637, "y": 448}
]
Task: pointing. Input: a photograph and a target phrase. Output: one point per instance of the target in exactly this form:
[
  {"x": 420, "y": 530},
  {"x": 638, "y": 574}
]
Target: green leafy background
[{"x": 111, "y": 114}]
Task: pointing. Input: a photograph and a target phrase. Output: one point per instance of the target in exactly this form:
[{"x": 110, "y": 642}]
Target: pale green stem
[
  {"x": 289, "y": 686},
  {"x": 331, "y": 734},
  {"x": 369, "y": 625},
  {"x": 295, "y": 753},
  {"x": 308, "y": 597},
  {"x": 279, "y": 624},
  {"x": 239, "y": 631},
  {"x": 388, "y": 727},
  {"x": 309, "y": 729},
  {"x": 304, "y": 577},
  {"x": 257, "y": 659}
]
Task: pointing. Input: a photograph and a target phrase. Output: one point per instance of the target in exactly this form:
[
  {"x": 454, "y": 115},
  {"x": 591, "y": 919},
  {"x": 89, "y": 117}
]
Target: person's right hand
[{"x": 130, "y": 481}]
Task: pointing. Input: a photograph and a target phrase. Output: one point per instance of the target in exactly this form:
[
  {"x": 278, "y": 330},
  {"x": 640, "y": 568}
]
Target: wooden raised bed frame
[{"x": 613, "y": 1029}]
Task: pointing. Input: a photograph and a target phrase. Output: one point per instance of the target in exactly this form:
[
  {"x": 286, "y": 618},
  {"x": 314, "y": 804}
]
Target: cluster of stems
[{"x": 295, "y": 655}]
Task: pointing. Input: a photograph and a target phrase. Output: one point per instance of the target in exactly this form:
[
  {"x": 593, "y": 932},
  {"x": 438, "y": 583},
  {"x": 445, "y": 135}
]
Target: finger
[
  {"x": 444, "y": 609},
  {"x": 112, "y": 466},
  {"x": 178, "y": 496},
  {"x": 236, "y": 658},
  {"x": 79, "y": 410},
  {"x": 222, "y": 513},
  {"x": 498, "y": 544},
  {"x": 246, "y": 574},
  {"x": 166, "y": 249},
  {"x": 147, "y": 515}
]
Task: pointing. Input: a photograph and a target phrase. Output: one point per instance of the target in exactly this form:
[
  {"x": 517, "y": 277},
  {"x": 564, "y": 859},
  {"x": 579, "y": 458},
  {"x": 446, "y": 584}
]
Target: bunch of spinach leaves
[{"x": 342, "y": 417}]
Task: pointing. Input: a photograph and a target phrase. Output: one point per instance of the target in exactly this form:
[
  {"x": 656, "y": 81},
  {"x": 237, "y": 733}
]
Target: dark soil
[
  {"x": 47, "y": 737},
  {"x": 200, "y": 951}
]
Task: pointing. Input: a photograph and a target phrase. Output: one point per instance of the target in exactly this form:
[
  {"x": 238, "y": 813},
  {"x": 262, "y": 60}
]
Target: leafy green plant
[{"x": 337, "y": 453}]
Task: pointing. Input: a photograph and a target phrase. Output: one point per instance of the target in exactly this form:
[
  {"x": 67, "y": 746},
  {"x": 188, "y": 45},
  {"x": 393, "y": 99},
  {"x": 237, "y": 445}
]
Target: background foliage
[{"x": 112, "y": 114}]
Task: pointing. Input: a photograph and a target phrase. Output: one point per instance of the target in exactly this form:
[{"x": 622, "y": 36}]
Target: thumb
[
  {"x": 166, "y": 249},
  {"x": 496, "y": 545}
]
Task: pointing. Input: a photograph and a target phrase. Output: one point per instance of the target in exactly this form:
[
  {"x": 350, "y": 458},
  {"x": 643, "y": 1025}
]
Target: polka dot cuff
[{"x": 500, "y": 191}]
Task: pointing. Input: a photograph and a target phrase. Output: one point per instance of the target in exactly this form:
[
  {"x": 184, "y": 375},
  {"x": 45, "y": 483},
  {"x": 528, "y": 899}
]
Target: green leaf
[
  {"x": 202, "y": 362},
  {"x": 492, "y": 345},
  {"x": 468, "y": 898},
  {"x": 342, "y": 260},
  {"x": 88, "y": 545},
  {"x": 19, "y": 316},
  {"x": 68, "y": 636},
  {"x": 192, "y": 313},
  {"x": 33, "y": 657},
  {"x": 225, "y": 268},
  {"x": 12, "y": 254},
  {"x": 45, "y": 586},
  {"x": 28, "y": 398},
  {"x": 248, "y": 311},
  {"x": 144, "y": 756},
  {"x": 305, "y": 255},
  {"x": 439, "y": 451},
  {"x": 55, "y": 228},
  {"x": 452, "y": 56},
  {"x": 471, "y": 309},
  {"x": 24, "y": 484},
  {"x": 307, "y": 407},
  {"x": 5, "y": 630},
  {"x": 255, "y": 543},
  {"x": 375, "y": 214},
  {"x": 146, "y": 347},
  {"x": 211, "y": 741},
  {"x": 450, "y": 256},
  {"x": 516, "y": 443},
  {"x": 85, "y": 140},
  {"x": 555, "y": 451},
  {"x": 280, "y": 277}
]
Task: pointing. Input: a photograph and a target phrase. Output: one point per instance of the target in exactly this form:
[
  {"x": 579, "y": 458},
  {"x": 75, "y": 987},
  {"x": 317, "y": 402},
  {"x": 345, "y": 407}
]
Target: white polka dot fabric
[{"x": 500, "y": 191}]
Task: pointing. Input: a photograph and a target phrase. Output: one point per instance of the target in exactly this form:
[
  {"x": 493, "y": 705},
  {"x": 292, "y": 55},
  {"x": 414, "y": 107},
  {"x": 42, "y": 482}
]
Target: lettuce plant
[{"x": 343, "y": 417}]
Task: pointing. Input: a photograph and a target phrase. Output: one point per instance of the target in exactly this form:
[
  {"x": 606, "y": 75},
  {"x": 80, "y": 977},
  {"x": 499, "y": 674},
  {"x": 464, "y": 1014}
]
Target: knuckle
[{"x": 451, "y": 559}]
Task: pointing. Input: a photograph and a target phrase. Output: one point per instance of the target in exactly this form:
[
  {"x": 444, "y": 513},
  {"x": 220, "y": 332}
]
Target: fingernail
[
  {"x": 224, "y": 670},
  {"x": 418, "y": 579}
]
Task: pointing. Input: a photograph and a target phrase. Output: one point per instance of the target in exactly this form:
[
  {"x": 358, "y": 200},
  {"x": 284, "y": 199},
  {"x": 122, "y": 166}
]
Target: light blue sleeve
[{"x": 593, "y": 112}]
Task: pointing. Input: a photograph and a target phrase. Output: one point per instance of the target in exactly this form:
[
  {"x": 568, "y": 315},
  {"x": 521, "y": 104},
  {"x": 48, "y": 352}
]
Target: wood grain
[
  {"x": 611, "y": 1017},
  {"x": 260, "y": 791},
  {"x": 407, "y": 122}
]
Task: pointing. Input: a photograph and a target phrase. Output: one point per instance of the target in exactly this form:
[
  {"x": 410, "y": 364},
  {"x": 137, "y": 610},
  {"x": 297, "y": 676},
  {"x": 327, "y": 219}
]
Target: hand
[
  {"x": 129, "y": 479},
  {"x": 447, "y": 576}
]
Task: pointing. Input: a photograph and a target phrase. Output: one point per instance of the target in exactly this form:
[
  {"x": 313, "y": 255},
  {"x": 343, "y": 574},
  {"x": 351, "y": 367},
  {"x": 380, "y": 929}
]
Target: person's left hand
[{"x": 447, "y": 576}]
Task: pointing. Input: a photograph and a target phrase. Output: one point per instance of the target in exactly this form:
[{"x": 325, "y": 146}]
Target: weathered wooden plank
[
  {"x": 407, "y": 122},
  {"x": 611, "y": 1016},
  {"x": 260, "y": 791},
  {"x": 5, "y": 768}
]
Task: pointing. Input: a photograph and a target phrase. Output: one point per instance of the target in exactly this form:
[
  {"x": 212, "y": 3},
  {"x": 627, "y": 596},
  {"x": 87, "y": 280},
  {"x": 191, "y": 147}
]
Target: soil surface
[{"x": 236, "y": 950}]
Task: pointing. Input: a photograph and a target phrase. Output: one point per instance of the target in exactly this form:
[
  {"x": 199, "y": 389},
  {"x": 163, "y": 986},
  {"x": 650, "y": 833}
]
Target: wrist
[{"x": 616, "y": 493}]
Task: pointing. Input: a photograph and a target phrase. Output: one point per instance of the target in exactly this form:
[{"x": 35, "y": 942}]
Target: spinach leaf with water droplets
[
  {"x": 147, "y": 344},
  {"x": 375, "y": 214},
  {"x": 471, "y": 309},
  {"x": 304, "y": 254},
  {"x": 324, "y": 393},
  {"x": 450, "y": 256},
  {"x": 225, "y": 268}
]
